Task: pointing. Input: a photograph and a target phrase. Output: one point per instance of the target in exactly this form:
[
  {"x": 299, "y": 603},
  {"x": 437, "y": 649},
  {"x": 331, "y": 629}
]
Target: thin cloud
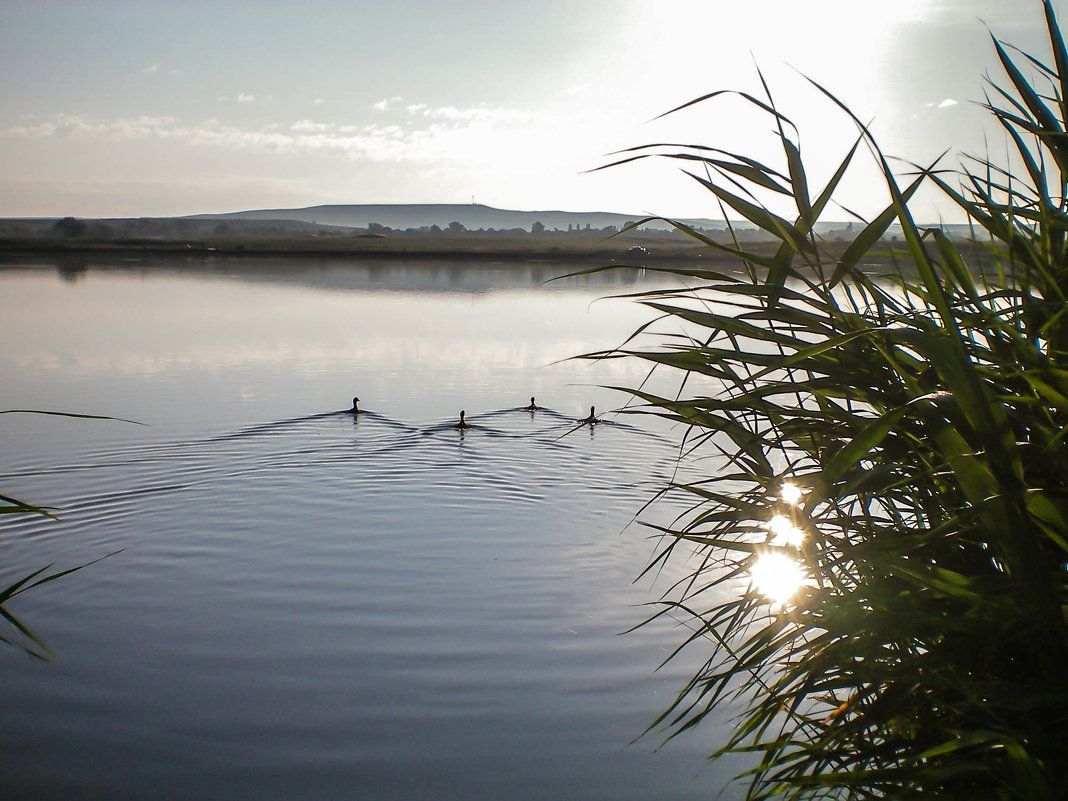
[
  {"x": 244, "y": 98},
  {"x": 375, "y": 142},
  {"x": 447, "y": 134},
  {"x": 453, "y": 113},
  {"x": 308, "y": 126},
  {"x": 71, "y": 126},
  {"x": 479, "y": 113}
]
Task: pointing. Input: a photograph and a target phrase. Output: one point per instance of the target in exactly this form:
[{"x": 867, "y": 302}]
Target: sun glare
[
  {"x": 777, "y": 576},
  {"x": 791, "y": 493},
  {"x": 786, "y": 533}
]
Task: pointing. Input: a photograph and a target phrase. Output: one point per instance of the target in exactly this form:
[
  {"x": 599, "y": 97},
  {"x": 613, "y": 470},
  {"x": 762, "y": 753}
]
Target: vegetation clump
[{"x": 878, "y": 575}]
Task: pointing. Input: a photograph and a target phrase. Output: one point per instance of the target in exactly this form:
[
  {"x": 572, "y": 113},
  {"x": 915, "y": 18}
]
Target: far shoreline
[
  {"x": 659, "y": 252},
  {"x": 405, "y": 248}
]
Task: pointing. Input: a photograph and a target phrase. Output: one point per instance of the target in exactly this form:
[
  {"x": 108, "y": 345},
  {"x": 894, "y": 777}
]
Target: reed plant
[
  {"x": 22, "y": 637},
  {"x": 876, "y": 577}
]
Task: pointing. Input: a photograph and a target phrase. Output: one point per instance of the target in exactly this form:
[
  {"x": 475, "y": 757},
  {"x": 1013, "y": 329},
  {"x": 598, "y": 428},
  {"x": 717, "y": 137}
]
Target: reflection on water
[
  {"x": 317, "y": 604},
  {"x": 377, "y": 275}
]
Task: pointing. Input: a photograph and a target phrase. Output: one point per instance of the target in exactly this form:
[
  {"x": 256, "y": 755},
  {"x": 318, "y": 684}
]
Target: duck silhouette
[
  {"x": 355, "y": 406},
  {"x": 592, "y": 418},
  {"x": 463, "y": 423},
  {"x": 533, "y": 406}
]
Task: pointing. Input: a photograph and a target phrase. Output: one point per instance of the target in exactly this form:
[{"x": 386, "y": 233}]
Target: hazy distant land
[{"x": 406, "y": 230}]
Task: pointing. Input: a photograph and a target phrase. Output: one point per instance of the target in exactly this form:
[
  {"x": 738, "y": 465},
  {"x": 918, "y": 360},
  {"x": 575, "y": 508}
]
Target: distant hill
[
  {"x": 471, "y": 216},
  {"x": 474, "y": 216}
]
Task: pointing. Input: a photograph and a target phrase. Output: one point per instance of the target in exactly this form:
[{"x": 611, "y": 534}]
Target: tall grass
[{"x": 896, "y": 453}]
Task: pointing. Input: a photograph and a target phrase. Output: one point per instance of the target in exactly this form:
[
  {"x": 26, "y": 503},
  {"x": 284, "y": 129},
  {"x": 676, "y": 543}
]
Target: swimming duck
[
  {"x": 355, "y": 406},
  {"x": 591, "y": 419},
  {"x": 463, "y": 423},
  {"x": 533, "y": 406}
]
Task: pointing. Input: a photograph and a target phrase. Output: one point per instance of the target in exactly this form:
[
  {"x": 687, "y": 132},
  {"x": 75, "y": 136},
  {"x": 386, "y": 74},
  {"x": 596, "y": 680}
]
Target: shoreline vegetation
[
  {"x": 401, "y": 246},
  {"x": 633, "y": 249}
]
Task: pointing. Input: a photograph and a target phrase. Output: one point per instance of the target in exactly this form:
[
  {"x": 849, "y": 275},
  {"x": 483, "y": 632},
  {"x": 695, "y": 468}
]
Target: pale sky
[{"x": 122, "y": 108}]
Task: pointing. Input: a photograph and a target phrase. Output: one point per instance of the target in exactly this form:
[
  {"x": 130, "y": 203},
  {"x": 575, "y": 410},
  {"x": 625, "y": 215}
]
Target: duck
[
  {"x": 355, "y": 406},
  {"x": 533, "y": 406},
  {"x": 463, "y": 423},
  {"x": 592, "y": 418}
]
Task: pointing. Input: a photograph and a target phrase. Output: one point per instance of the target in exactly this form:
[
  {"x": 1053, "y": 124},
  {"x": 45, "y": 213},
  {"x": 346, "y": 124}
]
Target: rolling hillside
[{"x": 405, "y": 216}]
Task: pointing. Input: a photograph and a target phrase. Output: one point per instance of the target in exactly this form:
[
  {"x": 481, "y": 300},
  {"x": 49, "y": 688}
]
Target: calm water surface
[{"x": 309, "y": 605}]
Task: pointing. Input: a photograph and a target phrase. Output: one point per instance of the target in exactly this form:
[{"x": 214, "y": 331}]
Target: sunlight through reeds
[{"x": 900, "y": 629}]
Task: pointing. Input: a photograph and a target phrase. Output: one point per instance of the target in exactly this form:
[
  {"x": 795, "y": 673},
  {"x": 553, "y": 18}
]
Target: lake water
[{"x": 311, "y": 605}]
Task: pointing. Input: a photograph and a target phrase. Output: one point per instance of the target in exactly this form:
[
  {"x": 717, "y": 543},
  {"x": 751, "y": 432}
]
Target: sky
[{"x": 114, "y": 108}]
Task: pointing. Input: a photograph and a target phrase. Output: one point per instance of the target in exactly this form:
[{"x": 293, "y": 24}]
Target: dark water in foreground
[{"x": 312, "y": 606}]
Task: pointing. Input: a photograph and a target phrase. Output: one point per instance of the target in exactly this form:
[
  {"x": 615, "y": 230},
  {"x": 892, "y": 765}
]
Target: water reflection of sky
[{"x": 312, "y": 339}]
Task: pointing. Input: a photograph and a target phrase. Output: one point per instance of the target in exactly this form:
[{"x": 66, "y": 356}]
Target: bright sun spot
[
  {"x": 791, "y": 493},
  {"x": 786, "y": 533},
  {"x": 777, "y": 576}
]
